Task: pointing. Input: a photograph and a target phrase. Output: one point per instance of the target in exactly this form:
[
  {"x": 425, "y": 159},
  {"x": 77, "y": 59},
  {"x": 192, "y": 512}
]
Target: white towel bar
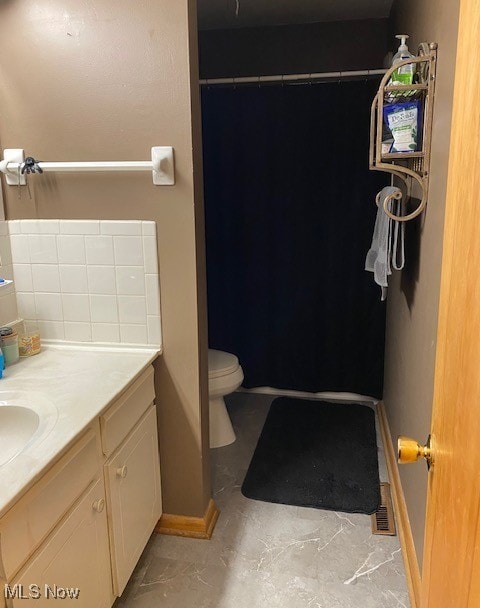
[{"x": 161, "y": 165}]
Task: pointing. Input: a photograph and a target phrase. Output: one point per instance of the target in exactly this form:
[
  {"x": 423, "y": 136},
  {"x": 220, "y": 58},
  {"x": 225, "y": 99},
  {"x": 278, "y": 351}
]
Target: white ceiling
[{"x": 226, "y": 14}]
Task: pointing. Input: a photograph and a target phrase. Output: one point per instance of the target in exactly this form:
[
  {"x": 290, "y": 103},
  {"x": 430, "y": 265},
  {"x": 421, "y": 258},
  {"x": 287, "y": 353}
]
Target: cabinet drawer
[
  {"x": 132, "y": 479},
  {"x": 24, "y": 527},
  {"x": 122, "y": 416},
  {"x": 75, "y": 556}
]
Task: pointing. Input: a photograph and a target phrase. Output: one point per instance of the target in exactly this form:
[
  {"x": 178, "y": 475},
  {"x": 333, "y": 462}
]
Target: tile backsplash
[
  {"x": 88, "y": 281},
  {"x": 8, "y": 303}
]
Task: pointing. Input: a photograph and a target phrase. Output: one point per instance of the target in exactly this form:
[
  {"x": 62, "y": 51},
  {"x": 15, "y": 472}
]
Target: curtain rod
[{"x": 291, "y": 77}]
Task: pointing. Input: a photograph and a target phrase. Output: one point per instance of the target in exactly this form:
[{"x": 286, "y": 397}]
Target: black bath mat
[{"x": 316, "y": 454}]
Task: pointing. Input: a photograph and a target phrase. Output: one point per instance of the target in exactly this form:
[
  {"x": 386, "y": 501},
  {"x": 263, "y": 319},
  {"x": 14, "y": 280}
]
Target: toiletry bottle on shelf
[
  {"x": 404, "y": 74},
  {"x": 2, "y": 363}
]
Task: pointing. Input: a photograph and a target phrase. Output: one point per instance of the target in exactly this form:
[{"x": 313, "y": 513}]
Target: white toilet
[{"x": 225, "y": 375}]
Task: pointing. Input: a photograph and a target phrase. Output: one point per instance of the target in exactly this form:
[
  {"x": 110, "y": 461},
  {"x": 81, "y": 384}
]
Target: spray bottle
[{"x": 404, "y": 74}]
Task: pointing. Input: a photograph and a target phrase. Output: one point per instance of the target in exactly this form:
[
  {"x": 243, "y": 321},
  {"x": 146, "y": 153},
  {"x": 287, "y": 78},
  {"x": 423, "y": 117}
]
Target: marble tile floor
[{"x": 266, "y": 555}]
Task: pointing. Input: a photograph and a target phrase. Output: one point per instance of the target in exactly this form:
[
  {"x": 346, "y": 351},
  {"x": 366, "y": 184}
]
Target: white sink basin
[{"x": 26, "y": 418}]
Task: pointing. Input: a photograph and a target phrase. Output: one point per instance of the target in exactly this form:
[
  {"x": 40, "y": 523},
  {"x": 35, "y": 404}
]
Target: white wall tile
[
  {"x": 51, "y": 330},
  {"x": 79, "y": 227},
  {"x": 78, "y": 332},
  {"x": 105, "y": 332},
  {"x": 46, "y": 278},
  {"x": 43, "y": 248},
  {"x": 150, "y": 254},
  {"x": 99, "y": 250},
  {"x": 118, "y": 228},
  {"x": 73, "y": 279},
  {"x": 39, "y": 226},
  {"x": 152, "y": 289},
  {"x": 22, "y": 275},
  {"x": 71, "y": 249},
  {"x": 154, "y": 329},
  {"x": 20, "y": 249},
  {"x": 103, "y": 309},
  {"x": 101, "y": 280},
  {"x": 149, "y": 229},
  {"x": 132, "y": 309},
  {"x": 49, "y": 306},
  {"x": 26, "y": 305},
  {"x": 76, "y": 307},
  {"x": 84, "y": 280},
  {"x": 130, "y": 280},
  {"x": 13, "y": 227},
  {"x": 128, "y": 250},
  {"x": 133, "y": 334}
]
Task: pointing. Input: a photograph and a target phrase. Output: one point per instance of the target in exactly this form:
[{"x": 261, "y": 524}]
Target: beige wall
[
  {"x": 93, "y": 80},
  {"x": 413, "y": 297},
  {"x": 293, "y": 49}
]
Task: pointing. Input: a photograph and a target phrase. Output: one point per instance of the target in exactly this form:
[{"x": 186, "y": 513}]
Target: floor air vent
[{"x": 383, "y": 521}]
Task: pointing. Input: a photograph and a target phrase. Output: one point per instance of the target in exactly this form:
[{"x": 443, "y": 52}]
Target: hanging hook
[
  {"x": 423, "y": 202},
  {"x": 30, "y": 165}
]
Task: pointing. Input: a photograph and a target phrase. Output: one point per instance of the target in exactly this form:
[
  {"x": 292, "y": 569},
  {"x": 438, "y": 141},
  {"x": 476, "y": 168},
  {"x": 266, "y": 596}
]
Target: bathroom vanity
[{"x": 79, "y": 502}]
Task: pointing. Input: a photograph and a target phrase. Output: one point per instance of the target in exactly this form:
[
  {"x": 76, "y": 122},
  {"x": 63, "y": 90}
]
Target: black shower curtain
[{"x": 289, "y": 218}]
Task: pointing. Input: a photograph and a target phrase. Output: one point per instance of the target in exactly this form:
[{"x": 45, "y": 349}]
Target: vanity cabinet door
[
  {"x": 133, "y": 497},
  {"x": 75, "y": 557}
]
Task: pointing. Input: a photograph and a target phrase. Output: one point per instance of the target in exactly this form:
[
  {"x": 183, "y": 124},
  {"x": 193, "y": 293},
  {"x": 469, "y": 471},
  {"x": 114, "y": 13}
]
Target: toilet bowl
[{"x": 225, "y": 375}]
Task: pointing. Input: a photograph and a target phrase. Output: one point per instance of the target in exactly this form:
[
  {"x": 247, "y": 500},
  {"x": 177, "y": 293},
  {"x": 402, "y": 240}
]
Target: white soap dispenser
[{"x": 404, "y": 74}]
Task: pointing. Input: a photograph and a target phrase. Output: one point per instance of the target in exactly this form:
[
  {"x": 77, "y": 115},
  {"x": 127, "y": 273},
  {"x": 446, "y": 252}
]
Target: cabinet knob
[
  {"x": 99, "y": 505},
  {"x": 122, "y": 471}
]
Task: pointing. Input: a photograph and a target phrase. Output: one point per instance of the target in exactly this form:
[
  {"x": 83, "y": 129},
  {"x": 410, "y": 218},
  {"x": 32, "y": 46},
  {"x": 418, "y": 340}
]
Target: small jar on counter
[
  {"x": 29, "y": 341},
  {"x": 9, "y": 345}
]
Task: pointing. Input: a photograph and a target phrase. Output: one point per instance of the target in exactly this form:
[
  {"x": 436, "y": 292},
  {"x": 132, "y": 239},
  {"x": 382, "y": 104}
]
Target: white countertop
[{"x": 80, "y": 382}]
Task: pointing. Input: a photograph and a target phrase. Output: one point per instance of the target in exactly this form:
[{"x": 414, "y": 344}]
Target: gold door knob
[{"x": 409, "y": 450}]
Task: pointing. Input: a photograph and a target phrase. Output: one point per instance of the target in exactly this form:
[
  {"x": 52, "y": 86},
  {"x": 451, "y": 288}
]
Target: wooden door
[{"x": 451, "y": 573}]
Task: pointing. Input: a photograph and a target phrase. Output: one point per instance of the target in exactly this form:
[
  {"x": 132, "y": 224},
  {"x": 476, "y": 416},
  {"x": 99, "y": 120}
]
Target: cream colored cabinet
[
  {"x": 132, "y": 478},
  {"x": 67, "y": 532},
  {"x": 73, "y": 563}
]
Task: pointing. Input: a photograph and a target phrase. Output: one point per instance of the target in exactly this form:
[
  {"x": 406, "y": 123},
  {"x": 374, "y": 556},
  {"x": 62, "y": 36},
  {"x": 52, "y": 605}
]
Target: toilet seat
[{"x": 221, "y": 363}]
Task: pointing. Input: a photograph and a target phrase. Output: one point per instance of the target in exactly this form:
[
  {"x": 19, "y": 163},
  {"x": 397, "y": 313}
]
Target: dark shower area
[{"x": 290, "y": 211}]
